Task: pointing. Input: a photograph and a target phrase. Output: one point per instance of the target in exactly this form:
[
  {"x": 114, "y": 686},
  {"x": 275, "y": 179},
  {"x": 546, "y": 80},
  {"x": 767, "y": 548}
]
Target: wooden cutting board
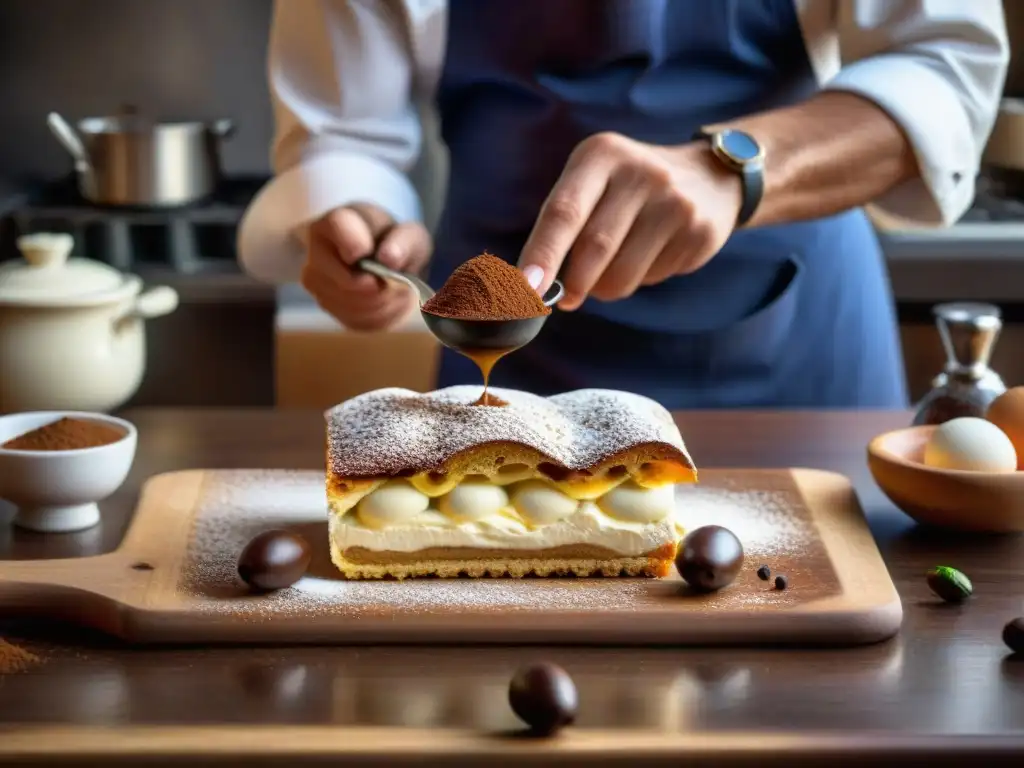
[{"x": 173, "y": 578}]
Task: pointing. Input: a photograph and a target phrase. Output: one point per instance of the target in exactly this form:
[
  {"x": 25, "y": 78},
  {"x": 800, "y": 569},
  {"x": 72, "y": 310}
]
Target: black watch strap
[
  {"x": 751, "y": 180},
  {"x": 753, "y": 191}
]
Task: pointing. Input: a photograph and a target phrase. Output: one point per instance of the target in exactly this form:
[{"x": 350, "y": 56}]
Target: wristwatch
[{"x": 740, "y": 152}]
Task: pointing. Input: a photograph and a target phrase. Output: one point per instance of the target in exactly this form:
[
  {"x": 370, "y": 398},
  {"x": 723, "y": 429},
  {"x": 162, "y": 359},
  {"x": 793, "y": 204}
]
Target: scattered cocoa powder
[
  {"x": 14, "y": 658},
  {"x": 66, "y": 434},
  {"x": 486, "y": 288}
]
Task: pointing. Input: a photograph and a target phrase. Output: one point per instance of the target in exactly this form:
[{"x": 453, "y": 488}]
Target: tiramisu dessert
[{"x": 581, "y": 483}]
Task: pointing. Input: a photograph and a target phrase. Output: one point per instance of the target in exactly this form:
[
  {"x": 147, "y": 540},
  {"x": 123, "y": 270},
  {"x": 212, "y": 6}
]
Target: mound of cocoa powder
[
  {"x": 486, "y": 288},
  {"x": 66, "y": 434}
]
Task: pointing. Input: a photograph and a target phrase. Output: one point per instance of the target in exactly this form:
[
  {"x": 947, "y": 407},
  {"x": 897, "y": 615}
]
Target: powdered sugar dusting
[
  {"x": 391, "y": 430},
  {"x": 460, "y": 595},
  {"x": 763, "y": 521},
  {"x": 237, "y": 505}
]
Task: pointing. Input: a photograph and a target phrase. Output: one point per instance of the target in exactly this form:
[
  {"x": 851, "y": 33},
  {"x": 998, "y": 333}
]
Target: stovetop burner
[
  {"x": 186, "y": 238},
  {"x": 62, "y": 196},
  {"x": 997, "y": 199}
]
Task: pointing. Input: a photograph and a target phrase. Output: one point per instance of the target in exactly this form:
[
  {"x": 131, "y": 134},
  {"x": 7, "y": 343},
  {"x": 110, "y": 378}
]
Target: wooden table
[{"x": 944, "y": 690}]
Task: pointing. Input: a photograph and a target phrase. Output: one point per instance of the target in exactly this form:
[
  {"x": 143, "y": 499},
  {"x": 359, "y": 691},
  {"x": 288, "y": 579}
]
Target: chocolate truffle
[
  {"x": 544, "y": 697},
  {"x": 1013, "y": 635},
  {"x": 274, "y": 560},
  {"x": 709, "y": 558}
]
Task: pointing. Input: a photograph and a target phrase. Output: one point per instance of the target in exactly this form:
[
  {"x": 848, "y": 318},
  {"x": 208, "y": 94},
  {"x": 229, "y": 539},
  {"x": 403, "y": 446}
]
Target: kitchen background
[{"x": 233, "y": 342}]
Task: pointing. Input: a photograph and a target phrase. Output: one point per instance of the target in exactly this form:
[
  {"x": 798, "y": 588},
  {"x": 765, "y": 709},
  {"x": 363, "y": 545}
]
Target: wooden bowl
[{"x": 981, "y": 502}]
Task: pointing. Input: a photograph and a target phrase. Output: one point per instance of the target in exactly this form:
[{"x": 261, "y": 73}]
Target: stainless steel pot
[{"x": 131, "y": 161}]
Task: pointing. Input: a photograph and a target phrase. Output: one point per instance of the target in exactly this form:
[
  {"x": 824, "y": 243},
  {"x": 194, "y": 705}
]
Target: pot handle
[
  {"x": 72, "y": 142},
  {"x": 69, "y": 138},
  {"x": 155, "y": 302},
  {"x": 223, "y": 129}
]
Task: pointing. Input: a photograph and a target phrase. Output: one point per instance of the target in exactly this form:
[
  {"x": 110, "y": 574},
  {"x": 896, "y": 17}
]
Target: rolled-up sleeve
[
  {"x": 937, "y": 67},
  {"x": 340, "y": 75}
]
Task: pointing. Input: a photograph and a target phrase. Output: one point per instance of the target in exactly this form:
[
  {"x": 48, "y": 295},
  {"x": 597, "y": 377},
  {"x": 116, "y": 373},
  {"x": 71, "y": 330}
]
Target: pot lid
[{"x": 47, "y": 276}]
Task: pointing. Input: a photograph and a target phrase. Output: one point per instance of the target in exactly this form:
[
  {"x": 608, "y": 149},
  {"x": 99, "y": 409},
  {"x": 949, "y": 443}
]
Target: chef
[{"x": 693, "y": 170}]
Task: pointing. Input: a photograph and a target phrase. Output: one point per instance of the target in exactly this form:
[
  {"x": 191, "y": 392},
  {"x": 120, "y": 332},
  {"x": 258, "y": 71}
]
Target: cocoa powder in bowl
[
  {"x": 486, "y": 288},
  {"x": 66, "y": 434}
]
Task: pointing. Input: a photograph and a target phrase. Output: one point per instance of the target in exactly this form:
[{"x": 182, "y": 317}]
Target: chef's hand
[
  {"x": 362, "y": 302},
  {"x": 625, "y": 214}
]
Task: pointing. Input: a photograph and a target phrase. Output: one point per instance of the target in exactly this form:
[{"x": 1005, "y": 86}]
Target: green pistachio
[{"x": 949, "y": 584}]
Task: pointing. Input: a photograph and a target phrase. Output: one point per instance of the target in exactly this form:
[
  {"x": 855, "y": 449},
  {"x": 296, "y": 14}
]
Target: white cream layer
[
  {"x": 587, "y": 525},
  {"x": 533, "y": 502},
  {"x": 529, "y": 514}
]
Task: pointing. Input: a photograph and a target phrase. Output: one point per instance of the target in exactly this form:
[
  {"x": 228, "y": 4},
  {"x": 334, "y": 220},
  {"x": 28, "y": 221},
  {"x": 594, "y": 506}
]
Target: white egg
[
  {"x": 970, "y": 444},
  {"x": 471, "y": 501},
  {"x": 540, "y": 504},
  {"x": 393, "y": 503},
  {"x": 635, "y": 504}
]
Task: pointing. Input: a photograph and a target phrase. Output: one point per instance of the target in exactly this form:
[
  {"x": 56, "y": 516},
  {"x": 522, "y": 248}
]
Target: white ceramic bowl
[{"x": 58, "y": 491}]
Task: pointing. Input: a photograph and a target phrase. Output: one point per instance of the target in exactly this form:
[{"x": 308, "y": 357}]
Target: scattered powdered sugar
[
  {"x": 392, "y": 430},
  {"x": 464, "y": 594},
  {"x": 763, "y": 521},
  {"x": 236, "y": 505}
]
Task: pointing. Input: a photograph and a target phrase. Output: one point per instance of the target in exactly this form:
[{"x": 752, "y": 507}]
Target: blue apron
[{"x": 798, "y": 315}]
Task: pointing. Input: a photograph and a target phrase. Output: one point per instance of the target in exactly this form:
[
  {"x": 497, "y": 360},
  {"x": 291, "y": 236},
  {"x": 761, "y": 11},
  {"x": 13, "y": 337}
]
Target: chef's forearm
[{"x": 833, "y": 152}]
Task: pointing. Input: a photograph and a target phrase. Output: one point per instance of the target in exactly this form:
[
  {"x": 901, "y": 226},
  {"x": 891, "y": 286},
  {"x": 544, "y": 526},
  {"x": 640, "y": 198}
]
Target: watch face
[{"x": 740, "y": 146}]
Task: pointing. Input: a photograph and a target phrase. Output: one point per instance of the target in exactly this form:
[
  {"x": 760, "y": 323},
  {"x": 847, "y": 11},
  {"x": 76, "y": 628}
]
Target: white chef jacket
[{"x": 346, "y": 77}]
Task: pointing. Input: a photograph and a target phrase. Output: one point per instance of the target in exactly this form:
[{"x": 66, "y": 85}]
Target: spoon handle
[{"x": 374, "y": 267}]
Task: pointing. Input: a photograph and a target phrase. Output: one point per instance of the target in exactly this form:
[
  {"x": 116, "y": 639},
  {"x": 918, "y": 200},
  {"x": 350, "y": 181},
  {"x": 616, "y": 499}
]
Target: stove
[
  {"x": 193, "y": 239},
  {"x": 993, "y": 205}
]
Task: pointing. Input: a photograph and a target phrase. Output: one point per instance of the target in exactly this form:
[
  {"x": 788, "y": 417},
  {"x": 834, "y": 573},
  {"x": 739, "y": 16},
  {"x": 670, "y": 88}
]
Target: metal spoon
[{"x": 465, "y": 335}]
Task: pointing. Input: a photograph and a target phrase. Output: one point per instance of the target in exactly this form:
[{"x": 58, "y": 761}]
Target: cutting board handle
[
  {"x": 103, "y": 590},
  {"x": 79, "y": 588}
]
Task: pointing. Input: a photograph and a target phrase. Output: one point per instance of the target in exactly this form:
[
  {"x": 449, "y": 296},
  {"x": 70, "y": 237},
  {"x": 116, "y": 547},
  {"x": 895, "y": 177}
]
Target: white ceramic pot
[{"x": 71, "y": 330}]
